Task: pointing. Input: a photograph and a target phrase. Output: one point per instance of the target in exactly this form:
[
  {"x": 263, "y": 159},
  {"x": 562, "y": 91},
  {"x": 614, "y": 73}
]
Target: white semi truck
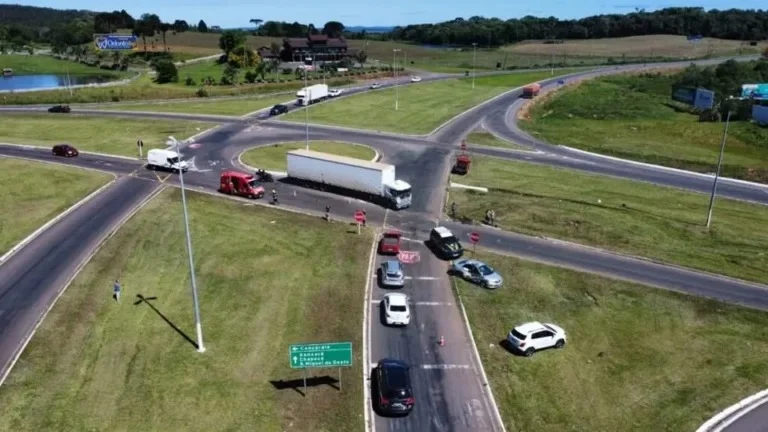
[
  {"x": 312, "y": 94},
  {"x": 375, "y": 181}
]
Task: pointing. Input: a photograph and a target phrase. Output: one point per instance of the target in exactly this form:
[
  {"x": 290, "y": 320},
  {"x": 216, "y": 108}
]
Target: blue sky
[{"x": 236, "y": 13}]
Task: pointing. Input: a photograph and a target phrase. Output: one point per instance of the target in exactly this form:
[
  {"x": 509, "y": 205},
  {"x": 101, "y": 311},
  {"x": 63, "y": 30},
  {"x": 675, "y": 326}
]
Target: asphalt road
[
  {"x": 447, "y": 383},
  {"x": 753, "y": 421},
  {"x": 31, "y": 279}
]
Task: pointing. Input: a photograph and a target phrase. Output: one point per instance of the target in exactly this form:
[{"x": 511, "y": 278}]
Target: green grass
[
  {"x": 636, "y": 218},
  {"x": 29, "y": 204},
  {"x": 422, "y": 107},
  {"x": 633, "y": 117},
  {"x": 273, "y": 157},
  {"x": 42, "y": 64},
  {"x": 482, "y": 137},
  {"x": 637, "y": 358},
  {"x": 97, "y": 134},
  {"x": 240, "y": 106},
  {"x": 266, "y": 279}
]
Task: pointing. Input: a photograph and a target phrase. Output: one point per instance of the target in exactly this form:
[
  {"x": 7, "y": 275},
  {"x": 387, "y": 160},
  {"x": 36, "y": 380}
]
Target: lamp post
[
  {"x": 394, "y": 68},
  {"x": 474, "y": 63},
  {"x": 717, "y": 173},
  {"x": 198, "y": 325},
  {"x": 306, "y": 99}
]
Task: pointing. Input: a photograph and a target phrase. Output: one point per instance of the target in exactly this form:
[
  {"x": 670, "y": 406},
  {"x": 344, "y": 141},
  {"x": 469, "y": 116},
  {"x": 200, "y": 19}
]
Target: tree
[
  {"x": 165, "y": 28},
  {"x": 231, "y": 39},
  {"x": 256, "y": 22},
  {"x": 765, "y": 53},
  {"x": 180, "y": 26},
  {"x": 230, "y": 75},
  {"x": 333, "y": 29},
  {"x": 361, "y": 57},
  {"x": 242, "y": 57},
  {"x": 166, "y": 71},
  {"x": 202, "y": 27}
]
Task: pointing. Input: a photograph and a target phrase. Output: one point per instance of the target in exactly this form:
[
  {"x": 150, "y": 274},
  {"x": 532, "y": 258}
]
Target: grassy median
[
  {"x": 421, "y": 107},
  {"x": 266, "y": 279},
  {"x": 110, "y": 135},
  {"x": 28, "y": 204},
  {"x": 482, "y": 137},
  {"x": 235, "y": 107},
  {"x": 273, "y": 157},
  {"x": 657, "y": 222},
  {"x": 637, "y": 358}
]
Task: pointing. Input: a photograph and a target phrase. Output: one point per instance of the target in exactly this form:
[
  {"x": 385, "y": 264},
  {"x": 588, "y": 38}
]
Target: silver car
[
  {"x": 391, "y": 274},
  {"x": 478, "y": 272}
]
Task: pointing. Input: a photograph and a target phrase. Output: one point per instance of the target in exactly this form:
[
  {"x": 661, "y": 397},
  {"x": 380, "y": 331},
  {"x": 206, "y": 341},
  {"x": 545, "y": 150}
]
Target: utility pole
[
  {"x": 717, "y": 173},
  {"x": 198, "y": 325},
  {"x": 306, "y": 99},
  {"x": 474, "y": 63},
  {"x": 394, "y": 68}
]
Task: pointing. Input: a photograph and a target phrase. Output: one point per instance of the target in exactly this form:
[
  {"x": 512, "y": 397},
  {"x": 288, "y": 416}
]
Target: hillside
[{"x": 40, "y": 17}]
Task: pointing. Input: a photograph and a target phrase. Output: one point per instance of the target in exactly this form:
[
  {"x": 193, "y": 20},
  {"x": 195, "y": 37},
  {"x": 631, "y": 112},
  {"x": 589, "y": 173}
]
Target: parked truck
[
  {"x": 312, "y": 94},
  {"x": 462, "y": 164},
  {"x": 372, "y": 180},
  {"x": 531, "y": 91},
  {"x": 168, "y": 160}
]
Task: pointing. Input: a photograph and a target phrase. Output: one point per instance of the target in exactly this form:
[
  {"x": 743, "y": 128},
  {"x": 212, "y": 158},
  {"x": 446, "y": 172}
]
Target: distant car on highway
[
  {"x": 396, "y": 311},
  {"x": 445, "y": 243},
  {"x": 375, "y": 86},
  {"x": 64, "y": 150},
  {"x": 390, "y": 243},
  {"x": 415, "y": 79},
  {"x": 534, "y": 336},
  {"x": 334, "y": 92},
  {"x": 478, "y": 272},
  {"x": 278, "y": 109},
  {"x": 394, "y": 393},
  {"x": 59, "y": 109},
  {"x": 391, "y": 274}
]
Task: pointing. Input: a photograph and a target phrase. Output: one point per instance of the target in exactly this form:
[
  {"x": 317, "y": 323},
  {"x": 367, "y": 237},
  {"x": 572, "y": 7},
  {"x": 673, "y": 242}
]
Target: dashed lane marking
[
  {"x": 420, "y": 303},
  {"x": 435, "y": 366},
  {"x": 424, "y": 278}
]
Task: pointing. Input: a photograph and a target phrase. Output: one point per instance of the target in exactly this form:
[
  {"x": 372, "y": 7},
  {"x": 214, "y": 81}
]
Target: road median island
[
  {"x": 240, "y": 106},
  {"x": 266, "y": 279},
  {"x": 117, "y": 136},
  {"x": 636, "y": 357},
  {"x": 34, "y": 193},
  {"x": 273, "y": 157},
  {"x": 655, "y": 222},
  {"x": 421, "y": 107}
]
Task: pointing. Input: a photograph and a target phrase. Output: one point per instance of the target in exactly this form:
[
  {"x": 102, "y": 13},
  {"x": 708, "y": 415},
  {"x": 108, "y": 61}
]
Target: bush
[
  {"x": 166, "y": 71},
  {"x": 201, "y": 92},
  {"x": 189, "y": 81},
  {"x": 251, "y": 76}
]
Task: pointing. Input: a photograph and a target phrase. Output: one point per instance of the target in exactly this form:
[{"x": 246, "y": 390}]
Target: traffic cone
[{"x": 441, "y": 342}]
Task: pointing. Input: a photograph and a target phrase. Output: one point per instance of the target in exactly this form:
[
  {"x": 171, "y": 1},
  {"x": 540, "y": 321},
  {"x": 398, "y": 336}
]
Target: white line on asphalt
[
  {"x": 413, "y": 278},
  {"x": 370, "y": 426},
  {"x": 445, "y": 366},
  {"x": 420, "y": 303}
]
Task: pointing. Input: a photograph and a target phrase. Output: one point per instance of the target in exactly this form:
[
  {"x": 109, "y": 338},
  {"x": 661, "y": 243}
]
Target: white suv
[
  {"x": 396, "y": 311},
  {"x": 533, "y": 336}
]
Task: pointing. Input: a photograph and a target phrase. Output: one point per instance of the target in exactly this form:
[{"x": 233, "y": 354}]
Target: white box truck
[
  {"x": 165, "y": 160},
  {"x": 375, "y": 181},
  {"x": 312, "y": 94}
]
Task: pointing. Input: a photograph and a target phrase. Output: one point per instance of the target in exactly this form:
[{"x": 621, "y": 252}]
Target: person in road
[
  {"x": 328, "y": 213},
  {"x": 116, "y": 288},
  {"x": 365, "y": 218},
  {"x": 274, "y": 196},
  {"x": 453, "y": 209}
]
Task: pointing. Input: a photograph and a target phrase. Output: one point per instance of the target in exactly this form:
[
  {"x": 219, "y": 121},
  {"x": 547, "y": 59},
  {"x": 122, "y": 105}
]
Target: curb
[
  {"x": 367, "y": 401},
  {"x": 376, "y": 157},
  {"x": 66, "y": 285},
  {"x": 56, "y": 218},
  {"x": 720, "y": 421}
]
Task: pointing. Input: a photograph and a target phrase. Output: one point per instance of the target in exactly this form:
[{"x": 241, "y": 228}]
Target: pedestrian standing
[
  {"x": 274, "y": 196},
  {"x": 453, "y": 209},
  {"x": 365, "y": 217},
  {"x": 328, "y": 213},
  {"x": 116, "y": 291}
]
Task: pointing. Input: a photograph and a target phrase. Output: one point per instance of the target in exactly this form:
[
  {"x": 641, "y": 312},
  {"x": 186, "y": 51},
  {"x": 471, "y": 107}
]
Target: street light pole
[
  {"x": 717, "y": 173},
  {"x": 198, "y": 325},
  {"x": 474, "y": 63},
  {"x": 394, "y": 68},
  {"x": 306, "y": 100}
]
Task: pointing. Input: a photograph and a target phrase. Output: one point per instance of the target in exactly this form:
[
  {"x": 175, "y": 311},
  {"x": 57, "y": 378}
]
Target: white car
[
  {"x": 334, "y": 92},
  {"x": 396, "y": 310},
  {"x": 534, "y": 336},
  {"x": 375, "y": 86},
  {"x": 415, "y": 79}
]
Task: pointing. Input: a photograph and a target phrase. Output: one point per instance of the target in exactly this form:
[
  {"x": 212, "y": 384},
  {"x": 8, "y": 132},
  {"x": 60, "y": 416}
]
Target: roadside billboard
[
  {"x": 702, "y": 99},
  {"x": 110, "y": 42},
  {"x": 760, "y": 114},
  {"x": 754, "y": 91}
]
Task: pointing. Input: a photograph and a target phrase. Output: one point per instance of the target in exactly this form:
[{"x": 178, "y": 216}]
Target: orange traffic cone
[{"x": 441, "y": 342}]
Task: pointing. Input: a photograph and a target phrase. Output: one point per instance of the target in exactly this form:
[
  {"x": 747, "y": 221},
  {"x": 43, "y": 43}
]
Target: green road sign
[{"x": 320, "y": 355}]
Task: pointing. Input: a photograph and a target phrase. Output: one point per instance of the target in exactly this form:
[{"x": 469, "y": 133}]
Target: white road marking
[
  {"x": 412, "y": 278},
  {"x": 445, "y": 366},
  {"x": 419, "y": 303}
]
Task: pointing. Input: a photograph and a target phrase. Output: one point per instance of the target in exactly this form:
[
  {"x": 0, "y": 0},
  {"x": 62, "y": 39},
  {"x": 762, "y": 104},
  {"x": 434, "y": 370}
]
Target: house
[
  {"x": 319, "y": 47},
  {"x": 266, "y": 53}
]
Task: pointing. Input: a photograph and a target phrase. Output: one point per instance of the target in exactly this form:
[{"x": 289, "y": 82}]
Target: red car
[
  {"x": 65, "y": 150},
  {"x": 390, "y": 243}
]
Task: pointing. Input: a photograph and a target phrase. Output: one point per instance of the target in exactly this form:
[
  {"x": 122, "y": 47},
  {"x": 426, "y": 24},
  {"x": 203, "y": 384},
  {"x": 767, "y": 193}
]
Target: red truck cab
[
  {"x": 241, "y": 184},
  {"x": 462, "y": 164},
  {"x": 532, "y": 90},
  {"x": 390, "y": 243}
]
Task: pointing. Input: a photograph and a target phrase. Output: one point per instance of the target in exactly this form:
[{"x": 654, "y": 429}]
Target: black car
[
  {"x": 445, "y": 243},
  {"x": 64, "y": 150},
  {"x": 278, "y": 109},
  {"x": 393, "y": 381},
  {"x": 59, "y": 109}
]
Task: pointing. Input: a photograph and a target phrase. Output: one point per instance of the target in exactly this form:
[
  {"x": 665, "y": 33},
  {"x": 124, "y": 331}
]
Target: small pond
[{"x": 49, "y": 81}]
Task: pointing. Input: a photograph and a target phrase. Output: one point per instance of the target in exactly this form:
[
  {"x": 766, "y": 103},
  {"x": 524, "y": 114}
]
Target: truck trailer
[
  {"x": 372, "y": 180},
  {"x": 312, "y": 94},
  {"x": 531, "y": 91}
]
